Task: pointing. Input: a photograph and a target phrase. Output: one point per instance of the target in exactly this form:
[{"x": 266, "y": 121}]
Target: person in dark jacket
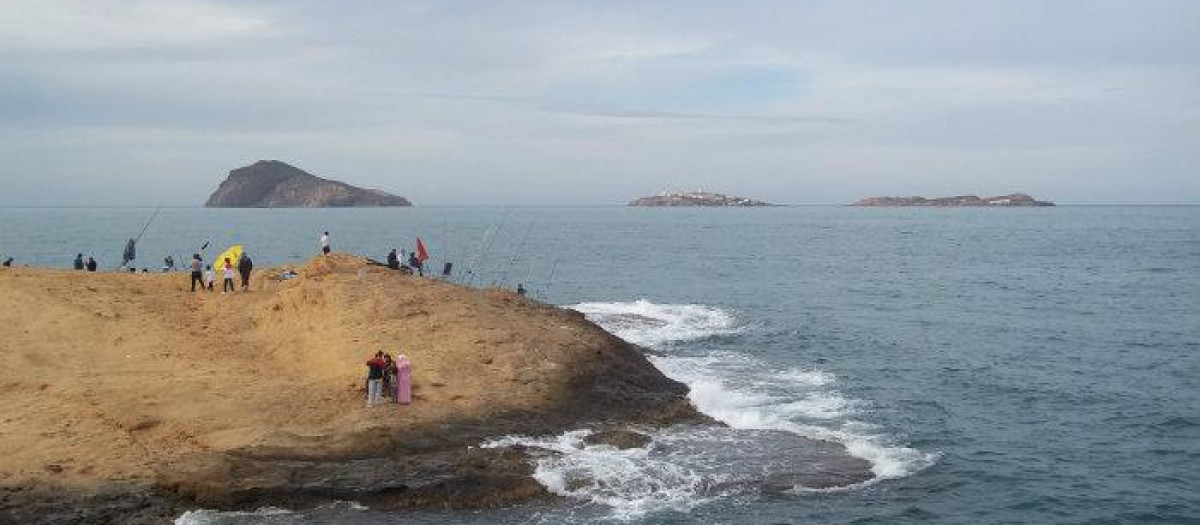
[
  {"x": 245, "y": 266},
  {"x": 79, "y": 261},
  {"x": 91, "y": 264},
  {"x": 415, "y": 263},
  {"x": 393, "y": 260}
]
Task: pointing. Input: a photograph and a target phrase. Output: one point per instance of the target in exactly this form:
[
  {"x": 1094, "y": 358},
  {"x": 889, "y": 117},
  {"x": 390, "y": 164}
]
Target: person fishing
[
  {"x": 197, "y": 271},
  {"x": 245, "y": 266},
  {"x": 79, "y": 261},
  {"x": 415, "y": 263},
  {"x": 130, "y": 252},
  {"x": 168, "y": 264},
  {"x": 325, "y": 243},
  {"x": 91, "y": 264},
  {"x": 393, "y": 261},
  {"x": 8, "y": 262}
]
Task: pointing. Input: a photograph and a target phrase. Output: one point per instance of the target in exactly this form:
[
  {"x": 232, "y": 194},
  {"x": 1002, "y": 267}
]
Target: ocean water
[{"x": 993, "y": 365}]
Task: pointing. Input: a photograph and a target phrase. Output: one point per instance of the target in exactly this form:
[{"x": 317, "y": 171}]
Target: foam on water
[
  {"x": 214, "y": 517},
  {"x": 736, "y": 389}
]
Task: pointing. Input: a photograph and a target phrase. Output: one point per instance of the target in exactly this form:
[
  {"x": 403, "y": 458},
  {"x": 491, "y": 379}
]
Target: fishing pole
[
  {"x": 131, "y": 248},
  {"x": 550, "y": 280},
  {"x": 516, "y": 255},
  {"x": 487, "y": 246}
]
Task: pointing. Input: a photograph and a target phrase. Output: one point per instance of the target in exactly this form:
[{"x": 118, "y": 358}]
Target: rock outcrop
[
  {"x": 1015, "y": 200},
  {"x": 128, "y": 399},
  {"x": 275, "y": 184},
  {"x": 698, "y": 198}
]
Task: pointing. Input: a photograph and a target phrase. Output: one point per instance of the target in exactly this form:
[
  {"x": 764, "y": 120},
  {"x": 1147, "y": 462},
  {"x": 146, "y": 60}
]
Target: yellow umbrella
[{"x": 233, "y": 253}]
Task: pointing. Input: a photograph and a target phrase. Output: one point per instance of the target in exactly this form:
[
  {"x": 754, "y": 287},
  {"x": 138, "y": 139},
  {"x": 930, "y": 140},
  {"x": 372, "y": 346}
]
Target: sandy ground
[{"x": 113, "y": 377}]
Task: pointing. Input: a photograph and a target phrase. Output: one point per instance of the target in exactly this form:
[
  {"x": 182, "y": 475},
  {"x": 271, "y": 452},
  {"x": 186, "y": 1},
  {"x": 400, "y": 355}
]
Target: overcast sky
[{"x": 114, "y": 102}]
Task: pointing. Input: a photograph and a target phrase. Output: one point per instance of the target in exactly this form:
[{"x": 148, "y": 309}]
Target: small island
[
  {"x": 275, "y": 184},
  {"x": 962, "y": 201},
  {"x": 696, "y": 198}
]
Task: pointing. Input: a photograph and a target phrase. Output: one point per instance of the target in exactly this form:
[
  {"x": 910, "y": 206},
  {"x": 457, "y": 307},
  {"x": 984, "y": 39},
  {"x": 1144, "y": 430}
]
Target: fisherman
[
  {"x": 245, "y": 266},
  {"x": 209, "y": 277},
  {"x": 197, "y": 271},
  {"x": 130, "y": 252},
  {"x": 91, "y": 264},
  {"x": 521, "y": 289},
  {"x": 393, "y": 260},
  {"x": 79, "y": 261},
  {"x": 375, "y": 368},
  {"x": 168, "y": 264},
  {"x": 325, "y": 243},
  {"x": 227, "y": 273},
  {"x": 8, "y": 262},
  {"x": 415, "y": 263}
]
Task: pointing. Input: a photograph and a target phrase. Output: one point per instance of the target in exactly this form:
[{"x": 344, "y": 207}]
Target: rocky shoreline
[{"x": 176, "y": 405}]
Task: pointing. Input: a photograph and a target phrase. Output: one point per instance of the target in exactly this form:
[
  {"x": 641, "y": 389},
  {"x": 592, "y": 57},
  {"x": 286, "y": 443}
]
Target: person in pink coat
[{"x": 403, "y": 380}]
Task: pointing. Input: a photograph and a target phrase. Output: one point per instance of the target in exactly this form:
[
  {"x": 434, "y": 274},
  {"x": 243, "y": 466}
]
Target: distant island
[
  {"x": 1016, "y": 199},
  {"x": 275, "y": 184},
  {"x": 697, "y": 198}
]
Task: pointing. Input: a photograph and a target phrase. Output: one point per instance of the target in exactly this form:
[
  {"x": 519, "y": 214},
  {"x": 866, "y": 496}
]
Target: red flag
[{"x": 422, "y": 255}]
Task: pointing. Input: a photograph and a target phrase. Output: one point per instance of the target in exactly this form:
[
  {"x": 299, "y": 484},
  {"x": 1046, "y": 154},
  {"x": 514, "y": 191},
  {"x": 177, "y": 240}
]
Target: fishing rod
[
  {"x": 487, "y": 246},
  {"x": 516, "y": 255},
  {"x": 469, "y": 263},
  {"x": 550, "y": 280},
  {"x": 131, "y": 248}
]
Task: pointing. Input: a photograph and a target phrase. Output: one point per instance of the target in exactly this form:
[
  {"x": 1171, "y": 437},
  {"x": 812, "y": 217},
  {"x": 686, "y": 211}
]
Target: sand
[{"x": 116, "y": 382}]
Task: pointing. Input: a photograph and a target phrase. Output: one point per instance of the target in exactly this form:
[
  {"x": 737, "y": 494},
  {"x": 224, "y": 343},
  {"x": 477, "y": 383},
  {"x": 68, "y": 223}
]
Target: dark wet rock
[{"x": 619, "y": 438}]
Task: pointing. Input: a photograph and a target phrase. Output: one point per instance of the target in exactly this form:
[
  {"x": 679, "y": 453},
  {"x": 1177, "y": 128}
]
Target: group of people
[
  {"x": 413, "y": 263},
  {"x": 203, "y": 274},
  {"x": 90, "y": 265},
  {"x": 389, "y": 378}
]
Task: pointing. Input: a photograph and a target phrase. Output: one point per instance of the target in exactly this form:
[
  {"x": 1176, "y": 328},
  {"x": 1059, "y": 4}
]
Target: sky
[{"x": 141, "y": 102}]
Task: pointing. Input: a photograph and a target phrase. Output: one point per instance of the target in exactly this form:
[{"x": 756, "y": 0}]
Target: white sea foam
[
  {"x": 632, "y": 482},
  {"x": 745, "y": 393},
  {"x": 209, "y": 517},
  {"x": 645, "y": 323}
]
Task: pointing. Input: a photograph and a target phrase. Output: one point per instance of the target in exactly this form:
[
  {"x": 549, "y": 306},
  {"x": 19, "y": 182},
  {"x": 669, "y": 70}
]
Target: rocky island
[
  {"x": 697, "y": 198},
  {"x": 126, "y": 399},
  {"x": 275, "y": 184},
  {"x": 1015, "y": 200}
]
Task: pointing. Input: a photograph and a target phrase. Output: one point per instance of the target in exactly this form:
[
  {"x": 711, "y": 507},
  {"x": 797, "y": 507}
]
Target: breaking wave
[{"x": 683, "y": 468}]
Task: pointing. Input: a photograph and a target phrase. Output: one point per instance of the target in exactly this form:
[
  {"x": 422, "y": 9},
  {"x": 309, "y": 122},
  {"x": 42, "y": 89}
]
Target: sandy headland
[{"x": 127, "y": 398}]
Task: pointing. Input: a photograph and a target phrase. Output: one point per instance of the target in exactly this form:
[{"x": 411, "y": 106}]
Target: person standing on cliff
[
  {"x": 197, "y": 271},
  {"x": 375, "y": 367},
  {"x": 227, "y": 272},
  {"x": 245, "y": 266},
  {"x": 325, "y": 243},
  {"x": 210, "y": 277}
]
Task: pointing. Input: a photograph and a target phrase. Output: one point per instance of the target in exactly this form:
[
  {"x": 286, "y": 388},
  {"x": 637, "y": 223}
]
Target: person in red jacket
[{"x": 375, "y": 369}]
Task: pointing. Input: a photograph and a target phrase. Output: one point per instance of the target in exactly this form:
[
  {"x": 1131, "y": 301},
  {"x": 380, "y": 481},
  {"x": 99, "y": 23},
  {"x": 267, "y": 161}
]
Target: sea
[{"x": 1021, "y": 365}]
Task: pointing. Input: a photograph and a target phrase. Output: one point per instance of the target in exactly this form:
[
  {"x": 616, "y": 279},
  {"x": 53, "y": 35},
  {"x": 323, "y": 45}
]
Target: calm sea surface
[{"x": 994, "y": 365}]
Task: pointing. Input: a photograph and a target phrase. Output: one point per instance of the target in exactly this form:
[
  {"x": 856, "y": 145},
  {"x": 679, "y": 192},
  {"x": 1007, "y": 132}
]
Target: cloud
[{"x": 591, "y": 102}]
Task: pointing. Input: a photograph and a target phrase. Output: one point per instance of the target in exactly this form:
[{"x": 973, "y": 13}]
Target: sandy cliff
[{"x": 126, "y": 397}]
